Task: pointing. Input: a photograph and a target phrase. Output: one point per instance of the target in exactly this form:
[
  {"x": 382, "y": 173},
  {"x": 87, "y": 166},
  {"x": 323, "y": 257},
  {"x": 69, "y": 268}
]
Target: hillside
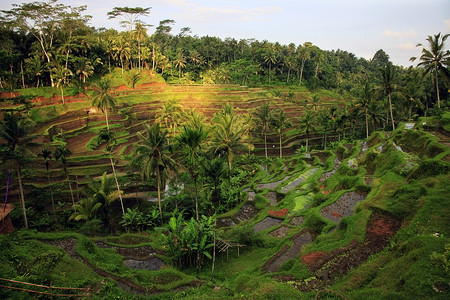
[{"x": 367, "y": 220}]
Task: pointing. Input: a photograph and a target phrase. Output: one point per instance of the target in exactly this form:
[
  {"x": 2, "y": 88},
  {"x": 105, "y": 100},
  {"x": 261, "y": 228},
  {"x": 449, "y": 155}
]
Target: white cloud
[
  {"x": 447, "y": 24},
  {"x": 406, "y": 46},
  {"x": 408, "y": 33}
]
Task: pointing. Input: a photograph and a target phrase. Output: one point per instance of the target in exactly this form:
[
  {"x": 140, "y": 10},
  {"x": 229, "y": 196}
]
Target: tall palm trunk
[
  {"x": 281, "y": 149},
  {"x": 265, "y": 143},
  {"x": 117, "y": 182},
  {"x": 158, "y": 183},
  {"x": 437, "y": 87},
  {"x": 22, "y": 198},
  {"x": 51, "y": 190},
  {"x": 70, "y": 188},
  {"x": 390, "y": 108},
  {"x": 367, "y": 126},
  {"x": 301, "y": 72}
]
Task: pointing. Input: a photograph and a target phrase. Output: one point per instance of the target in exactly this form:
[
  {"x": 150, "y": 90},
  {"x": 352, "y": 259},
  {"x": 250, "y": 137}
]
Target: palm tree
[
  {"x": 102, "y": 97},
  {"x": 228, "y": 135},
  {"x": 365, "y": 98},
  {"x": 194, "y": 119},
  {"x": 169, "y": 113},
  {"x": 307, "y": 123},
  {"x": 264, "y": 116},
  {"x": 270, "y": 56},
  {"x": 435, "y": 59},
  {"x": 61, "y": 154},
  {"x": 106, "y": 136},
  {"x": 60, "y": 75},
  {"x": 153, "y": 156},
  {"x": 388, "y": 75},
  {"x": 15, "y": 131},
  {"x": 103, "y": 192},
  {"x": 315, "y": 101},
  {"x": 141, "y": 33},
  {"x": 304, "y": 54},
  {"x": 191, "y": 141},
  {"x": 35, "y": 67},
  {"x": 279, "y": 122},
  {"x": 85, "y": 210},
  {"x": 47, "y": 156},
  {"x": 180, "y": 61}
]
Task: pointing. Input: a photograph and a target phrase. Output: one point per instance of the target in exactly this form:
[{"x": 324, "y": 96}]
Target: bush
[
  {"x": 92, "y": 228},
  {"x": 315, "y": 223},
  {"x": 431, "y": 168},
  {"x": 245, "y": 235}
]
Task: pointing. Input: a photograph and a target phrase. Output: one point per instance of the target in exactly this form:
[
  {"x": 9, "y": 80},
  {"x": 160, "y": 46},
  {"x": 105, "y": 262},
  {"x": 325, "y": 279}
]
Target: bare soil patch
[{"x": 343, "y": 207}]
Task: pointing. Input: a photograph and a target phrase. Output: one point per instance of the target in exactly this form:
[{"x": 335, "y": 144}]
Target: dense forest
[{"x": 148, "y": 164}]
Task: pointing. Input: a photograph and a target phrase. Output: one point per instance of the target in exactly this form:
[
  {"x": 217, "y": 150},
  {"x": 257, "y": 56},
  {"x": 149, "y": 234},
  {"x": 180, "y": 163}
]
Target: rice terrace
[{"x": 172, "y": 166}]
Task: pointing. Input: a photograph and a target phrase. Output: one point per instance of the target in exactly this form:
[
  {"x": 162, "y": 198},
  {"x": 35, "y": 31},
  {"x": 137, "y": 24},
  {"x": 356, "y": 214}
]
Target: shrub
[
  {"x": 431, "y": 168},
  {"x": 315, "y": 223}
]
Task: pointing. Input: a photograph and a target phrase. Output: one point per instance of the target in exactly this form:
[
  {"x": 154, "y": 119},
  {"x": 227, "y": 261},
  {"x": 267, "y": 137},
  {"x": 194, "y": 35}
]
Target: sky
[{"x": 361, "y": 27}]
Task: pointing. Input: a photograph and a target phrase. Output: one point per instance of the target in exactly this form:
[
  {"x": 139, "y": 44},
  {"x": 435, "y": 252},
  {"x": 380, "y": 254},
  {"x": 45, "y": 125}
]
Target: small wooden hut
[{"x": 6, "y": 225}]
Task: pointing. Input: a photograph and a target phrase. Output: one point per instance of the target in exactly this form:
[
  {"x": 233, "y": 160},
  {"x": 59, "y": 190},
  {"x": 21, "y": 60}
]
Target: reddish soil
[
  {"x": 329, "y": 266},
  {"x": 279, "y": 213}
]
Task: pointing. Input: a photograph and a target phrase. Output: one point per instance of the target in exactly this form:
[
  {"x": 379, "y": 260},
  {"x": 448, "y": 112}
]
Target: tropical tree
[
  {"x": 103, "y": 192},
  {"x": 102, "y": 97},
  {"x": 61, "y": 153},
  {"x": 152, "y": 154},
  {"x": 315, "y": 101},
  {"x": 180, "y": 62},
  {"x": 35, "y": 67},
  {"x": 263, "y": 114},
  {"x": 365, "y": 97},
  {"x": 435, "y": 59},
  {"x": 191, "y": 141},
  {"x": 60, "y": 75},
  {"x": 168, "y": 114},
  {"x": 228, "y": 135},
  {"x": 306, "y": 123},
  {"x": 279, "y": 122},
  {"x": 47, "y": 156},
  {"x": 85, "y": 210},
  {"x": 304, "y": 54},
  {"x": 140, "y": 32},
  {"x": 388, "y": 75},
  {"x": 107, "y": 136},
  {"x": 15, "y": 131}
]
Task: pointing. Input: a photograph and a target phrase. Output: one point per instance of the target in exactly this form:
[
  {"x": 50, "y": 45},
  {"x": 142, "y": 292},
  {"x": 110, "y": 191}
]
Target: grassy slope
[{"x": 411, "y": 185}]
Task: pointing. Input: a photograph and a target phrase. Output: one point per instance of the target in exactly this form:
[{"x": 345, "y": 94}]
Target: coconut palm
[
  {"x": 365, "y": 98},
  {"x": 264, "y": 115},
  {"x": 315, "y": 101},
  {"x": 307, "y": 123},
  {"x": 61, "y": 153},
  {"x": 103, "y": 192},
  {"x": 59, "y": 76},
  {"x": 279, "y": 122},
  {"x": 102, "y": 97},
  {"x": 141, "y": 33},
  {"x": 85, "y": 210},
  {"x": 107, "y": 136},
  {"x": 435, "y": 59},
  {"x": 229, "y": 135},
  {"x": 47, "y": 156},
  {"x": 168, "y": 114},
  {"x": 194, "y": 119},
  {"x": 388, "y": 76},
  {"x": 35, "y": 67},
  {"x": 304, "y": 54},
  {"x": 191, "y": 141},
  {"x": 15, "y": 131},
  {"x": 152, "y": 154}
]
